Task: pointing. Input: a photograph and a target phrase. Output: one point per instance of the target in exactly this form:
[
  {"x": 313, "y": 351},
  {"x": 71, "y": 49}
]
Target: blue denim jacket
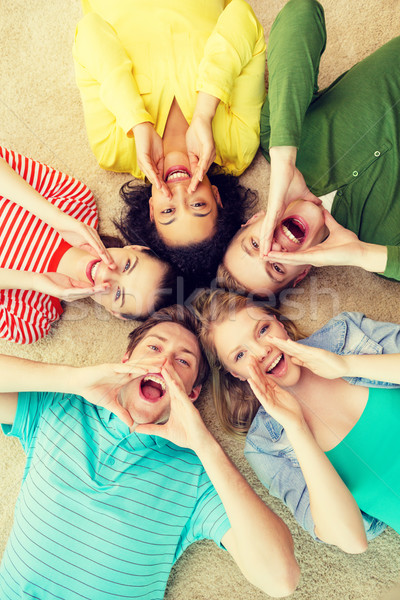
[{"x": 268, "y": 449}]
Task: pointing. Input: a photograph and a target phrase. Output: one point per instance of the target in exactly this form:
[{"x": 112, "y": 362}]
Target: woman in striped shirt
[{"x": 50, "y": 250}]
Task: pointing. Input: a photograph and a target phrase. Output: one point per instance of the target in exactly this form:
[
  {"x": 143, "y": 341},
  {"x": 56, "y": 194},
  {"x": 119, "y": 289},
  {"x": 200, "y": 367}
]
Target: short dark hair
[
  {"x": 167, "y": 291},
  {"x": 172, "y": 314},
  {"x": 197, "y": 263}
]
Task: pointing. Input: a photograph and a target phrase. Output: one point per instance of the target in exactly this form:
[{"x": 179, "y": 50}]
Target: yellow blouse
[{"x": 132, "y": 57}]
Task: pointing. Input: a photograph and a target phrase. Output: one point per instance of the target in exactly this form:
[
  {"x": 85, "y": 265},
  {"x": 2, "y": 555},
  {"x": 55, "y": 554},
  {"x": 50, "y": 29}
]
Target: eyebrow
[
  {"x": 163, "y": 339},
  {"x": 127, "y": 273},
  {"x": 252, "y": 253},
  {"x": 194, "y": 215}
]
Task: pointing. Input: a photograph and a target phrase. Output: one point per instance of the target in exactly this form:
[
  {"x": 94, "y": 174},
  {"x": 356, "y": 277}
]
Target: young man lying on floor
[{"x": 122, "y": 475}]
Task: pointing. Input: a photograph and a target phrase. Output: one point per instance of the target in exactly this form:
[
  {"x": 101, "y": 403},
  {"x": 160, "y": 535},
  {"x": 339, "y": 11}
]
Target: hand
[
  {"x": 185, "y": 426},
  {"x": 64, "y": 287},
  {"x": 278, "y": 403},
  {"x": 342, "y": 247},
  {"x": 201, "y": 149},
  {"x": 287, "y": 184},
  {"x": 321, "y": 362},
  {"x": 150, "y": 155},
  {"x": 101, "y": 385},
  {"x": 83, "y": 236}
]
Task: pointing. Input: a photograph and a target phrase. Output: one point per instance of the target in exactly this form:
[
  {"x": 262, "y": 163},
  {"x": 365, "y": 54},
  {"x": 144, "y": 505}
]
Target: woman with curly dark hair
[{"x": 168, "y": 89}]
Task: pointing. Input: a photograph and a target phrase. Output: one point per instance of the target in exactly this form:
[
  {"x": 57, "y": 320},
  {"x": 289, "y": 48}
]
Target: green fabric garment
[
  {"x": 368, "y": 458},
  {"x": 347, "y": 135}
]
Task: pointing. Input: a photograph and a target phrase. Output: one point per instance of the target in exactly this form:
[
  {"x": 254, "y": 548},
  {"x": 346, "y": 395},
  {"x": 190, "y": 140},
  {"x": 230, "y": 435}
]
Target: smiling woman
[
  {"x": 171, "y": 129},
  {"x": 50, "y": 251}
]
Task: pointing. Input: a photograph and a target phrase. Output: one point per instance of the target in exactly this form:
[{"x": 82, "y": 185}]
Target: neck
[
  {"x": 74, "y": 263},
  {"x": 174, "y": 137}
]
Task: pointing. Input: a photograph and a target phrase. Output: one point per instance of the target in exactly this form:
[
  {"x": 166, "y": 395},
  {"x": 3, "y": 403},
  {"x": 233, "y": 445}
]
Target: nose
[
  {"x": 277, "y": 247},
  {"x": 261, "y": 351}
]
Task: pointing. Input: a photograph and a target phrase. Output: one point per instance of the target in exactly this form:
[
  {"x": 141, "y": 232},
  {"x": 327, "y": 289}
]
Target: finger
[
  {"x": 78, "y": 293},
  {"x": 266, "y": 235},
  {"x": 330, "y": 222},
  {"x": 126, "y": 368},
  {"x": 194, "y": 162},
  {"x": 293, "y": 258}
]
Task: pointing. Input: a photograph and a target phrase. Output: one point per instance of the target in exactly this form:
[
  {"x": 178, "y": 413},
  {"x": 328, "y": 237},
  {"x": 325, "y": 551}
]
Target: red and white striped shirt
[{"x": 29, "y": 244}]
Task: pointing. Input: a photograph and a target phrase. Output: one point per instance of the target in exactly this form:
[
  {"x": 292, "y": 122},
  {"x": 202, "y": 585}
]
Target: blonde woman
[{"x": 317, "y": 426}]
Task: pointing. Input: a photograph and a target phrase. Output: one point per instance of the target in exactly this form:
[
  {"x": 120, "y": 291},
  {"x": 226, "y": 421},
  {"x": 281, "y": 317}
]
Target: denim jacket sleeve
[
  {"x": 274, "y": 461},
  {"x": 268, "y": 449}
]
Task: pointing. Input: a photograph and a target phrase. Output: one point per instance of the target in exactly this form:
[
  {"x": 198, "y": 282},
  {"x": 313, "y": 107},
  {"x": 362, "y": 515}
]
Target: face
[
  {"x": 146, "y": 397},
  {"x": 185, "y": 218},
  {"x": 134, "y": 284},
  {"x": 246, "y": 336},
  {"x": 302, "y": 227}
]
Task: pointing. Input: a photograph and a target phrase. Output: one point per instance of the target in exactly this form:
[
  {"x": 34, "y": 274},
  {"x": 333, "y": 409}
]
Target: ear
[
  {"x": 217, "y": 196},
  {"x": 254, "y": 218},
  {"x": 301, "y": 276},
  {"x": 126, "y": 357},
  {"x": 194, "y": 394},
  {"x": 137, "y": 247},
  {"x": 151, "y": 209}
]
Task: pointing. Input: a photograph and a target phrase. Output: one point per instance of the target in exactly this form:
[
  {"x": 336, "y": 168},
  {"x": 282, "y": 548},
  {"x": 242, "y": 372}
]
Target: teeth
[
  {"x": 290, "y": 235},
  {"x": 93, "y": 270},
  {"x": 177, "y": 175},
  {"x": 156, "y": 379},
  {"x": 271, "y": 366}
]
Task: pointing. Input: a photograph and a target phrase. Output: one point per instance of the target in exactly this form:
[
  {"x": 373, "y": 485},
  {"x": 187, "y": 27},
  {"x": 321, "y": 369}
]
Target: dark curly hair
[{"x": 196, "y": 263}]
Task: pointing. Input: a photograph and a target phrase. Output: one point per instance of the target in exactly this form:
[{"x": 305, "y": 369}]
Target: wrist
[
  {"x": 283, "y": 154},
  {"x": 206, "y": 106},
  {"x": 373, "y": 257}
]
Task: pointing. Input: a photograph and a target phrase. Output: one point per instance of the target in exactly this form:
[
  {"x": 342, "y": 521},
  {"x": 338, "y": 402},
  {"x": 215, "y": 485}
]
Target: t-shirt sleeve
[
  {"x": 30, "y": 408},
  {"x": 209, "y": 519}
]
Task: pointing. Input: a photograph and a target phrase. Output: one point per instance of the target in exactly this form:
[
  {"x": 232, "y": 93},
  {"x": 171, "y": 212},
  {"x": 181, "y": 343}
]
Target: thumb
[
  {"x": 330, "y": 222},
  {"x": 121, "y": 413},
  {"x": 148, "y": 429}
]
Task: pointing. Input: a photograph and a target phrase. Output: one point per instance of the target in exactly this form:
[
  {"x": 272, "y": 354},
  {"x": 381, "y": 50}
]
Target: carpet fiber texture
[{"x": 41, "y": 116}]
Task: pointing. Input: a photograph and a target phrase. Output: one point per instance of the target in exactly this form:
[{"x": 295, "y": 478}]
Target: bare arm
[
  {"x": 335, "y": 513},
  {"x": 99, "y": 384},
  {"x": 258, "y": 540}
]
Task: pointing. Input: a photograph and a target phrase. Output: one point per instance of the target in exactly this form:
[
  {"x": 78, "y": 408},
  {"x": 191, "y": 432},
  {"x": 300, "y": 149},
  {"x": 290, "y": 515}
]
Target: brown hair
[
  {"x": 235, "y": 403},
  {"x": 172, "y": 314}
]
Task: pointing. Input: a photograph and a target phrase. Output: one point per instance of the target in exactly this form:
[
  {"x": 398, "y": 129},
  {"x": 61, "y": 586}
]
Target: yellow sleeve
[
  {"x": 100, "y": 58},
  {"x": 237, "y": 38}
]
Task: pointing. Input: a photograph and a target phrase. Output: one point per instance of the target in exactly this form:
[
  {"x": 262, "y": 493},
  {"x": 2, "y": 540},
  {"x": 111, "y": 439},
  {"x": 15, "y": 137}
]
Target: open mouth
[
  {"x": 152, "y": 387},
  {"x": 278, "y": 366},
  {"x": 91, "y": 270},
  {"x": 178, "y": 173},
  {"x": 294, "y": 229}
]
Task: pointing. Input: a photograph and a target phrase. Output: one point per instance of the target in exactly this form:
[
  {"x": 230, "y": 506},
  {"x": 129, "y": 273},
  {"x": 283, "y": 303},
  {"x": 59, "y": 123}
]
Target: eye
[
  {"x": 263, "y": 329},
  {"x": 255, "y": 244},
  {"x": 198, "y": 204},
  {"x": 183, "y": 362},
  {"x": 238, "y": 356},
  {"x": 277, "y": 268},
  {"x": 167, "y": 211},
  {"x": 154, "y": 348},
  {"x": 117, "y": 294},
  {"x": 128, "y": 264}
]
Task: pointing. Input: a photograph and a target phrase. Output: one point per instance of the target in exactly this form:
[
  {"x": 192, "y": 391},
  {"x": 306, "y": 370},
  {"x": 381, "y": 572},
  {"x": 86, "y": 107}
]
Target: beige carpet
[{"x": 41, "y": 116}]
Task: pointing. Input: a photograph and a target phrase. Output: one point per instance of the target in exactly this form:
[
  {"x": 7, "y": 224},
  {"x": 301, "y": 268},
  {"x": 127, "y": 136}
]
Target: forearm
[
  {"x": 22, "y": 375},
  {"x": 11, "y": 279},
  {"x": 381, "y": 367},
  {"x": 335, "y": 513},
  {"x": 15, "y": 188},
  {"x": 264, "y": 546},
  {"x": 372, "y": 257}
]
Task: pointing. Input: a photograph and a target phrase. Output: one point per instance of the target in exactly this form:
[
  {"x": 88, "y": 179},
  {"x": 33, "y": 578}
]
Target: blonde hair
[{"x": 235, "y": 403}]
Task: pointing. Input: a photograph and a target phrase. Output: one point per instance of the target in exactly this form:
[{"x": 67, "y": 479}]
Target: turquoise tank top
[{"x": 368, "y": 457}]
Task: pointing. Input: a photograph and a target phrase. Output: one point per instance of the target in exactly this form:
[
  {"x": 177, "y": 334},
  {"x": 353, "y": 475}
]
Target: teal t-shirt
[{"x": 102, "y": 513}]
